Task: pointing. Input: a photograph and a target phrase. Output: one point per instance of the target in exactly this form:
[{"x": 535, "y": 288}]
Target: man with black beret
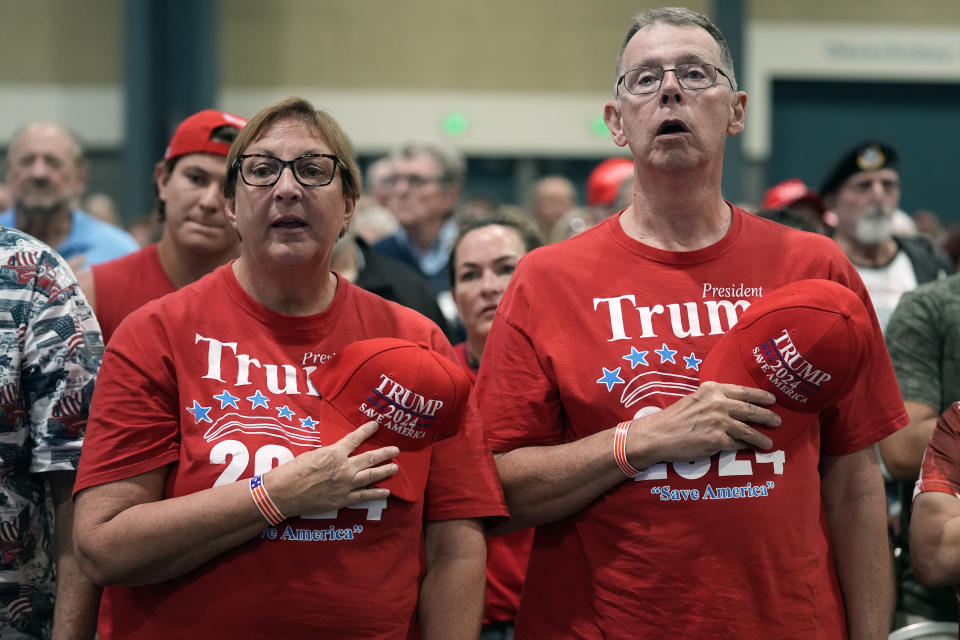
[{"x": 863, "y": 190}]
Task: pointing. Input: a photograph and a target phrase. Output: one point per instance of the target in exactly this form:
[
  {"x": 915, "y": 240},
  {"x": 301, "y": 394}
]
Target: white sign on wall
[{"x": 818, "y": 51}]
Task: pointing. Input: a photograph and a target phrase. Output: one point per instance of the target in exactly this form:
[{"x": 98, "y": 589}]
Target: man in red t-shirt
[
  {"x": 196, "y": 239},
  {"x": 681, "y": 520}
]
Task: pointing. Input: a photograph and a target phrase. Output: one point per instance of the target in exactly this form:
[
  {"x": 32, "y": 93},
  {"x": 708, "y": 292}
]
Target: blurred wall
[{"x": 499, "y": 79}]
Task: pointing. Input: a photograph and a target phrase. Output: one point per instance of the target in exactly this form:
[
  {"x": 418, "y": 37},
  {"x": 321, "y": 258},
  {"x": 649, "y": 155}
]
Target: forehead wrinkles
[
  {"x": 659, "y": 44},
  {"x": 289, "y": 133},
  {"x": 421, "y": 163},
  {"x": 46, "y": 148}
]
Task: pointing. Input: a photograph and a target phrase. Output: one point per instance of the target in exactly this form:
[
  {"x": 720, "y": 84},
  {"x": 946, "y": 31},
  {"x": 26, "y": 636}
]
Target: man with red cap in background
[
  {"x": 196, "y": 239},
  {"x": 604, "y": 182},
  {"x": 794, "y": 195}
]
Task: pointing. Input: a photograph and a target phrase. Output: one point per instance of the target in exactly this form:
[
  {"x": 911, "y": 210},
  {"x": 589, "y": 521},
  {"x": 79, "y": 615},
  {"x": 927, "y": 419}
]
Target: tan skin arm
[
  {"x": 935, "y": 538},
  {"x": 903, "y": 451},
  {"x": 855, "y": 505},
  {"x": 548, "y": 483},
  {"x": 85, "y": 280},
  {"x": 78, "y": 599},
  {"x": 126, "y": 533},
  {"x": 451, "y": 596},
  {"x": 77, "y": 264}
]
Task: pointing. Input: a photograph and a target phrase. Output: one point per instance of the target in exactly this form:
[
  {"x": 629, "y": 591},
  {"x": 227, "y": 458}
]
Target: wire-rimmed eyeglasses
[{"x": 693, "y": 76}]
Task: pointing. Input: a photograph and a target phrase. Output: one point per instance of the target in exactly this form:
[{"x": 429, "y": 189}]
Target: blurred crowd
[{"x": 558, "y": 207}]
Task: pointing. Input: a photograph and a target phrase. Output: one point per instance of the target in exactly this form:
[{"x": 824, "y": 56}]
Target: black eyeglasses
[
  {"x": 310, "y": 170},
  {"x": 694, "y": 76},
  {"x": 414, "y": 180}
]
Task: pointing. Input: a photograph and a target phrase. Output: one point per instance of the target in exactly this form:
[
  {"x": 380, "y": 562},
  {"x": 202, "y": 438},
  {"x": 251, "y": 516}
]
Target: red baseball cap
[
  {"x": 805, "y": 343},
  {"x": 790, "y": 192},
  {"x": 193, "y": 134},
  {"x": 604, "y": 181},
  {"x": 416, "y": 394}
]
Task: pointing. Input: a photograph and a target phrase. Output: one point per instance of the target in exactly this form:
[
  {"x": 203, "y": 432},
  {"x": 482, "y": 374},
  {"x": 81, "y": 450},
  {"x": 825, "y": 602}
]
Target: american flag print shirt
[{"x": 50, "y": 351}]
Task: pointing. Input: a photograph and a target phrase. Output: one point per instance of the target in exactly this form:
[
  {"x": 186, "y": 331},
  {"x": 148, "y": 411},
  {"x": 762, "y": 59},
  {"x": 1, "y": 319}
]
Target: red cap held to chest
[
  {"x": 415, "y": 394},
  {"x": 805, "y": 343}
]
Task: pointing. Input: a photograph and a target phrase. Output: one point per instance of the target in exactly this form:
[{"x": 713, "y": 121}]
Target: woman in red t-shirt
[
  {"x": 215, "y": 498},
  {"x": 482, "y": 260}
]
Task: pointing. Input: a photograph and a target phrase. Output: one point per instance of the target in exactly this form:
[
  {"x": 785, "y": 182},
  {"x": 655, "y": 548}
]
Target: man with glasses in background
[
  {"x": 426, "y": 179},
  {"x": 611, "y": 328}
]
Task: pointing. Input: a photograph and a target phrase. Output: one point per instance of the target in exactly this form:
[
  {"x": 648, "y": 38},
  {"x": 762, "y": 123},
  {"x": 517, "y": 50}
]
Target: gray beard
[{"x": 873, "y": 228}]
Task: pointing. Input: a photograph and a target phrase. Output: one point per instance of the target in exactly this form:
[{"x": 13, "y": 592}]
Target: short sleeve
[
  {"x": 873, "y": 409},
  {"x": 463, "y": 481},
  {"x": 915, "y": 342},
  {"x": 62, "y": 351},
  {"x": 941, "y": 461},
  {"x": 517, "y": 395},
  {"x": 134, "y": 418}
]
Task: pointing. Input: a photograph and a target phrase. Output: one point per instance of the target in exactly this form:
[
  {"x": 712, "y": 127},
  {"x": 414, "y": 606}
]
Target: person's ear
[
  {"x": 614, "y": 120},
  {"x": 738, "y": 105}
]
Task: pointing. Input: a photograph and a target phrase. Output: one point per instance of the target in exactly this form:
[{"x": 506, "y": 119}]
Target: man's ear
[
  {"x": 829, "y": 201},
  {"x": 738, "y": 105},
  {"x": 612, "y": 117},
  {"x": 162, "y": 178}
]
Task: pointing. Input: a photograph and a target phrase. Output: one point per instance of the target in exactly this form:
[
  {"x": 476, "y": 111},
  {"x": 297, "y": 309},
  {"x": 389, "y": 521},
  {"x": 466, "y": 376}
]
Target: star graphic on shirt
[
  {"x": 258, "y": 400},
  {"x": 693, "y": 362},
  {"x": 666, "y": 354},
  {"x": 227, "y": 399},
  {"x": 284, "y": 412},
  {"x": 610, "y": 378},
  {"x": 200, "y": 412},
  {"x": 308, "y": 422},
  {"x": 636, "y": 357}
]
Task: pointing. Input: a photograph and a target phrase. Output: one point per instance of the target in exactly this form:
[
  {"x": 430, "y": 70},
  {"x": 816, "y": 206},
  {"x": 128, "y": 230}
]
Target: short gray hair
[
  {"x": 680, "y": 17},
  {"x": 450, "y": 162},
  {"x": 76, "y": 150}
]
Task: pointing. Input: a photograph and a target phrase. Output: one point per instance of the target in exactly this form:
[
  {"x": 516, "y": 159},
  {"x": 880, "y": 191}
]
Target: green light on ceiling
[{"x": 455, "y": 124}]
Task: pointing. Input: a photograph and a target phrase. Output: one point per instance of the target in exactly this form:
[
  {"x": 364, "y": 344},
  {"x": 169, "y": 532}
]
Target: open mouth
[
  {"x": 672, "y": 126},
  {"x": 288, "y": 223}
]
